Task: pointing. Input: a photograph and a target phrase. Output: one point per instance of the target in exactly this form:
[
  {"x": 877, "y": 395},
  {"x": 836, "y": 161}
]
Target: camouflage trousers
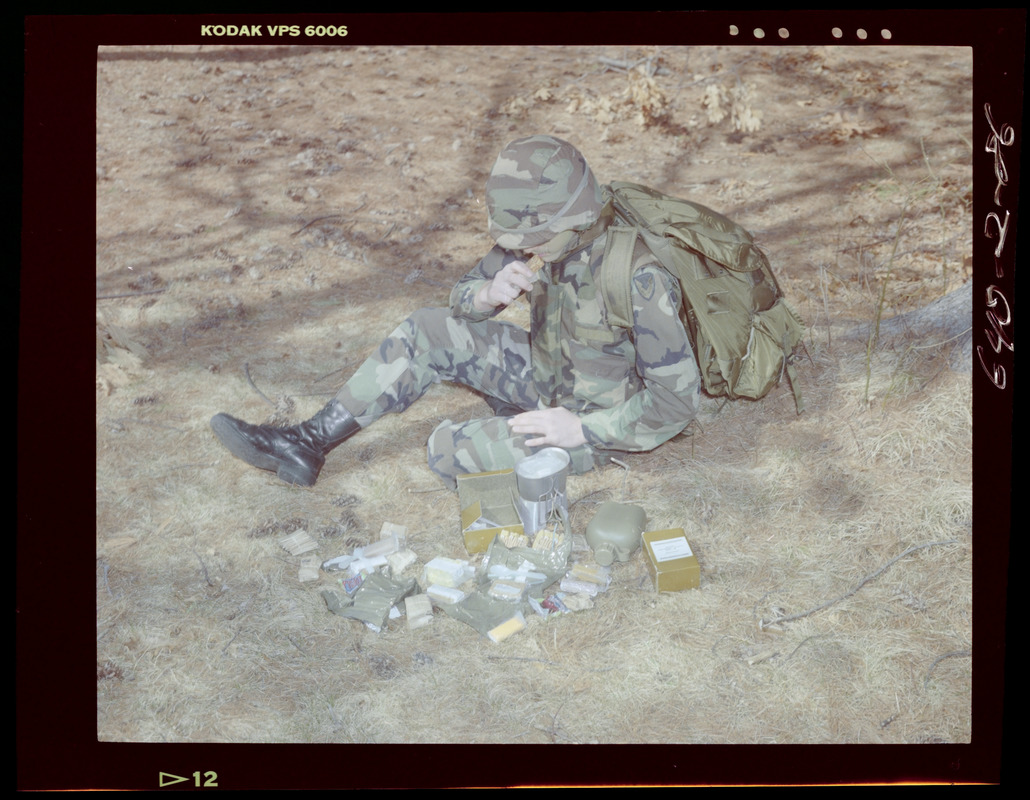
[{"x": 432, "y": 346}]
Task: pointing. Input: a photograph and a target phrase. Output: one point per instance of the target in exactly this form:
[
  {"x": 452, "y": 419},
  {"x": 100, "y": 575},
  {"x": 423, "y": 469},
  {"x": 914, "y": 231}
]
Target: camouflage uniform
[{"x": 632, "y": 390}]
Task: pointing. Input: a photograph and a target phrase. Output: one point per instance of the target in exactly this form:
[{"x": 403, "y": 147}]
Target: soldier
[{"x": 571, "y": 381}]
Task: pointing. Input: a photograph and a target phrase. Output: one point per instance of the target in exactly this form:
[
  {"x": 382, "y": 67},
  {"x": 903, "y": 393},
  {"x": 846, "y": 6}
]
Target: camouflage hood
[{"x": 539, "y": 187}]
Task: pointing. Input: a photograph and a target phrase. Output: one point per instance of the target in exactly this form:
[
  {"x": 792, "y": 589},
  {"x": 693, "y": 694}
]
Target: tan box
[
  {"x": 487, "y": 496},
  {"x": 671, "y": 562}
]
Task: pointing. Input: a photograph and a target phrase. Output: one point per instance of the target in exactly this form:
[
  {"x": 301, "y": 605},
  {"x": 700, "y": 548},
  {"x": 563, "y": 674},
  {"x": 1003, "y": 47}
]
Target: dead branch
[
  {"x": 233, "y": 639},
  {"x": 246, "y": 372},
  {"x": 129, "y": 294},
  {"x": 854, "y": 590},
  {"x": 316, "y": 219},
  {"x": 803, "y": 641},
  {"x": 517, "y": 658},
  {"x": 203, "y": 566},
  {"x": 937, "y": 661},
  {"x": 652, "y": 69}
]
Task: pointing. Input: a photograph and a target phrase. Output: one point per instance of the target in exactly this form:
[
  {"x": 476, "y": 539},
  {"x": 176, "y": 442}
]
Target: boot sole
[{"x": 225, "y": 429}]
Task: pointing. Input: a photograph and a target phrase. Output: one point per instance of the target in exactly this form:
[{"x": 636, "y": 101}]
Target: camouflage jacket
[{"x": 632, "y": 390}]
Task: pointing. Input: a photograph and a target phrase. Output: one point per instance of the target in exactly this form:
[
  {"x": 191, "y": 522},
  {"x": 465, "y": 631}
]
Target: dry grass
[
  {"x": 785, "y": 516},
  {"x": 205, "y": 634}
]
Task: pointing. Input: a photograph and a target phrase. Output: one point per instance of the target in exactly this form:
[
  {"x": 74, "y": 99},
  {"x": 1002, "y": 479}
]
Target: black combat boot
[{"x": 295, "y": 454}]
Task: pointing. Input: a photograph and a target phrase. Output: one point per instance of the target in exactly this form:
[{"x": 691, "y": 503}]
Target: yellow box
[
  {"x": 671, "y": 562},
  {"x": 487, "y": 496}
]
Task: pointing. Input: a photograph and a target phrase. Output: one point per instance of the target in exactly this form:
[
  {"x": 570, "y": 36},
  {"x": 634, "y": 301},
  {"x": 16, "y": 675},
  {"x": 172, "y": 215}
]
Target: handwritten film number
[
  {"x": 995, "y": 335},
  {"x": 996, "y": 373}
]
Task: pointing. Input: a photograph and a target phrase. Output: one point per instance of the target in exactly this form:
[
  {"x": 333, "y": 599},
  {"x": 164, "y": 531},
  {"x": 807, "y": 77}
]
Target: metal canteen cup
[{"x": 540, "y": 478}]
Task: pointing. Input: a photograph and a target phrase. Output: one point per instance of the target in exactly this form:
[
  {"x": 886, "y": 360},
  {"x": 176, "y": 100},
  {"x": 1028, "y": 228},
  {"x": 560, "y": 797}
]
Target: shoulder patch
[{"x": 645, "y": 283}]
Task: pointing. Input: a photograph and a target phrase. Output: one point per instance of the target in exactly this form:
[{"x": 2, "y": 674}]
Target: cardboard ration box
[
  {"x": 487, "y": 502},
  {"x": 672, "y": 564}
]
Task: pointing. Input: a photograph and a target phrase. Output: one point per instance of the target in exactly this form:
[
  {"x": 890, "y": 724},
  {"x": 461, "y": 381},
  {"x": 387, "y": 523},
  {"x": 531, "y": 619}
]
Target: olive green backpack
[{"x": 744, "y": 334}]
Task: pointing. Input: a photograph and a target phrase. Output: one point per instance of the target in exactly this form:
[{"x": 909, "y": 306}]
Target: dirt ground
[{"x": 265, "y": 215}]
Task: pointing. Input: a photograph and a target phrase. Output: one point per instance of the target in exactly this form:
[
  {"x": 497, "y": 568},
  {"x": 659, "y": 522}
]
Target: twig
[
  {"x": 129, "y": 294},
  {"x": 233, "y": 639},
  {"x": 956, "y": 337},
  {"x": 316, "y": 219},
  {"x": 120, "y": 420},
  {"x": 617, "y": 63},
  {"x": 343, "y": 216},
  {"x": 626, "y": 65},
  {"x": 203, "y": 566},
  {"x": 826, "y": 304},
  {"x": 625, "y": 474},
  {"x": 859, "y": 585},
  {"x": 809, "y": 638},
  {"x": 328, "y": 374},
  {"x": 865, "y": 245},
  {"x": 554, "y": 732},
  {"x": 246, "y": 372},
  {"x": 875, "y": 335},
  {"x": 952, "y": 654},
  {"x": 517, "y": 658},
  {"x": 572, "y": 505}
]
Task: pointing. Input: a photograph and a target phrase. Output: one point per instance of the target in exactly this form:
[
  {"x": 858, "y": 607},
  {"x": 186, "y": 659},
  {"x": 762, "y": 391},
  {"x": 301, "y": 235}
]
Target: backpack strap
[{"x": 616, "y": 274}]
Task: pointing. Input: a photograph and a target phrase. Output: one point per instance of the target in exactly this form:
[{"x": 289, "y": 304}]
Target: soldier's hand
[
  {"x": 514, "y": 279},
  {"x": 554, "y": 427}
]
